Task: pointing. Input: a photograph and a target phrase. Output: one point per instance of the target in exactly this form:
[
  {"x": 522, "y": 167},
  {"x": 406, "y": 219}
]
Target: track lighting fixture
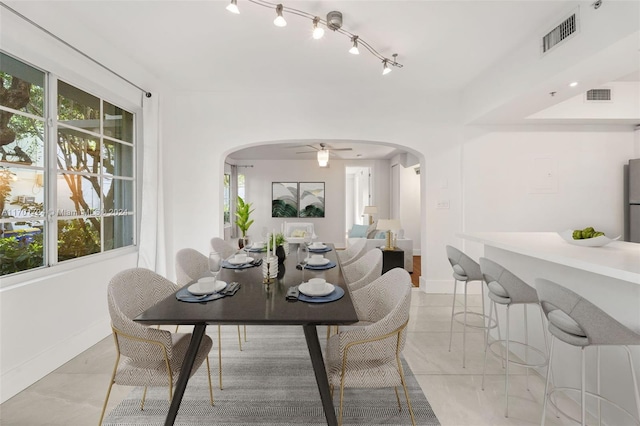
[
  {"x": 332, "y": 22},
  {"x": 279, "y": 21},
  {"x": 233, "y": 7},
  {"x": 318, "y": 32},
  {"x": 354, "y": 49}
]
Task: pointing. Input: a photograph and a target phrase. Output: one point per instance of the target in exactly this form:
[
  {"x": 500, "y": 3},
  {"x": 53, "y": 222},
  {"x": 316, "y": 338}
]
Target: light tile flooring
[{"x": 73, "y": 394}]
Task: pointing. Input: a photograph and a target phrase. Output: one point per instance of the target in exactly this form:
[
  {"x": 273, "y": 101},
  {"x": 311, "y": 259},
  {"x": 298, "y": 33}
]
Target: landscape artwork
[
  {"x": 311, "y": 202},
  {"x": 284, "y": 199}
]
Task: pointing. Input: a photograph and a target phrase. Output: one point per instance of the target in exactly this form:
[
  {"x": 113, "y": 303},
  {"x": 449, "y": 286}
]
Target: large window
[{"x": 66, "y": 188}]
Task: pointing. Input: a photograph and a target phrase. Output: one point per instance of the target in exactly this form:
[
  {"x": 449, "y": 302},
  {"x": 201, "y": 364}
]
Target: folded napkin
[
  {"x": 255, "y": 250},
  {"x": 329, "y": 265},
  {"x": 229, "y": 265},
  {"x": 320, "y": 250}
]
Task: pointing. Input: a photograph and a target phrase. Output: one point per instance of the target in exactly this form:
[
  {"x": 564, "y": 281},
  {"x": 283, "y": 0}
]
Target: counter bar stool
[
  {"x": 580, "y": 323},
  {"x": 466, "y": 270},
  {"x": 507, "y": 289}
]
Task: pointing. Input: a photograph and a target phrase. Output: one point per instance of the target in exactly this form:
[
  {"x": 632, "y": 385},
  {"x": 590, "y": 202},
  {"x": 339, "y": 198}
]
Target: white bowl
[{"x": 600, "y": 241}]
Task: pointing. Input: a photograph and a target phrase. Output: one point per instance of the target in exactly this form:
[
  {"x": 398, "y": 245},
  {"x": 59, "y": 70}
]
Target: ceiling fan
[{"x": 323, "y": 153}]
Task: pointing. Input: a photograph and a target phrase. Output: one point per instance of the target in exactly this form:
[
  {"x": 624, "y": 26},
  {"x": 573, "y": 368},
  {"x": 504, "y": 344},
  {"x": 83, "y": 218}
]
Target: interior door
[{"x": 394, "y": 209}]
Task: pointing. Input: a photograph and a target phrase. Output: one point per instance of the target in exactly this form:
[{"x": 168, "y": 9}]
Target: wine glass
[
  {"x": 308, "y": 239},
  {"x": 215, "y": 263}
]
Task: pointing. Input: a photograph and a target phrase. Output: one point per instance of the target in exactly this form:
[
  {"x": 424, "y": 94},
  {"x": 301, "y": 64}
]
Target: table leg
[
  {"x": 187, "y": 365},
  {"x": 311, "y": 335}
]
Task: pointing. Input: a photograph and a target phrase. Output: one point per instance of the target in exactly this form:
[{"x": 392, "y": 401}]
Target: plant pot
[
  {"x": 281, "y": 254},
  {"x": 243, "y": 242}
]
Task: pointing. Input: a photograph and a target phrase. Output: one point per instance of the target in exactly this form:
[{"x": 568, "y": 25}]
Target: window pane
[
  {"x": 21, "y": 193},
  {"x": 23, "y": 88},
  {"x": 118, "y": 123},
  {"x": 227, "y": 198},
  {"x": 78, "y": 237},
  {"x": 78, "y": 195},
  {"x": 21, "y": 247},
  {"x": 118, "y": 196},
  {"x": 118, "y": 231},
  {"x": 27, "y": 146},
  {"x": 117, "y": 159},
  {"x": 78, "y": 108},
  {"x": 77, "y": 151}
]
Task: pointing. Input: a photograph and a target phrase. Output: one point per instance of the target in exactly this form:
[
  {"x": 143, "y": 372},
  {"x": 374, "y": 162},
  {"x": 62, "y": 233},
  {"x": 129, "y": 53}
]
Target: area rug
[{"x": 270, "y": 382}]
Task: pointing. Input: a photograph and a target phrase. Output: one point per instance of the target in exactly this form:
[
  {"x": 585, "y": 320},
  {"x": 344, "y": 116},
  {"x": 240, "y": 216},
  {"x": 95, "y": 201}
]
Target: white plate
[
  {"x": 305, "y": 288},
  {"x": 324, "y": 261},
  {"x": 235, "y": 262},
  {"x": 320, "y": 247},
  {"x": 600, "y": 241},
  {"x": 193, "y": 288}
]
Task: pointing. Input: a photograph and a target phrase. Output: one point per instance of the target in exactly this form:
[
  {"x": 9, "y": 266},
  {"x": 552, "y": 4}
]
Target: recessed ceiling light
[{"x": 573, "y": 84}]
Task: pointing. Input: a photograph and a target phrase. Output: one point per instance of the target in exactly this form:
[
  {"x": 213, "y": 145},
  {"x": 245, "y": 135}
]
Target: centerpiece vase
[{"x": 280, "y": 253}]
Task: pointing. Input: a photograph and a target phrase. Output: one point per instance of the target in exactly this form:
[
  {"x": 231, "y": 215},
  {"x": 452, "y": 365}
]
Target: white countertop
[{"x": 618, "y": 259}]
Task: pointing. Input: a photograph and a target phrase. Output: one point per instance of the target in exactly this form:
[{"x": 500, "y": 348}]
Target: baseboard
[
  {"x": 446, "y": 287},
  {"x": 33, "y": 369}
]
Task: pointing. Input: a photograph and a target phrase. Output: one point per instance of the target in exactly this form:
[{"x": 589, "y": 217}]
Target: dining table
[{"x": 266, "y": 304}]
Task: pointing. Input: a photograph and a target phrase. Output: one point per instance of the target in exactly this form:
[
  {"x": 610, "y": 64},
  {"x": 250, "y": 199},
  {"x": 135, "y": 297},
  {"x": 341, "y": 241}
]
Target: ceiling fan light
[
  {"x": 233, "y": 7},
  {"x": 279, "y": 21},
  {"x": 318, "y": 32},
  {"x": 323, "y": 158},
  {"x": 354, "y": 49}
]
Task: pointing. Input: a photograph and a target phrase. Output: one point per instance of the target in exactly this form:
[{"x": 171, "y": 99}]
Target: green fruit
[{"x": 577, "y": 234}]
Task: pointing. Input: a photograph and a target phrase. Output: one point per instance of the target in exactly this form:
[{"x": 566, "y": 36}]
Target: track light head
[
  {"x": 279, "y": 21},
  {"x": 385, "y": 67},
  {"x": 318, "y": 32},
  {"x": 354, "y": 49},
  {"x": 233, "y": 7}
]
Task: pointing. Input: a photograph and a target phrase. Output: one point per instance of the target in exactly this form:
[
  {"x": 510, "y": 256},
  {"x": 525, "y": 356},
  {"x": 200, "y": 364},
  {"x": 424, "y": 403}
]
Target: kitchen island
[{"x": 608, "y": 276}]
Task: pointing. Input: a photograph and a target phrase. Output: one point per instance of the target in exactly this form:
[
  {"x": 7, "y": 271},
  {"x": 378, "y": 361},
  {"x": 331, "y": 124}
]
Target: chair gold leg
[
  {"x": 245, "y": 332},
  {"x": 341, "y": 399},
  {"x": 395, "y": 388},
  {"x": 104, "y": 407},
  {"x": 144, "y": 395},
  {"x": 113, "y": 380},
  {"x": 239, "y": 339},
  {"x": 219, "y": 358},
  {"x": 406, "y": 393},
  {"x": 209, "y": 378}
]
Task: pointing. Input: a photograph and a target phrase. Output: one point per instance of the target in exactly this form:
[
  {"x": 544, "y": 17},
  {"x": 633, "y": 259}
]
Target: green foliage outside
[{"x": 19, "y": 256}]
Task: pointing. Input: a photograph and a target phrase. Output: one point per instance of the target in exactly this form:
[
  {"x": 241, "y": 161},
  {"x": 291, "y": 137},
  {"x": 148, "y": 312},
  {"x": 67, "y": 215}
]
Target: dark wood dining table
[{"x": 257, "y": 303}]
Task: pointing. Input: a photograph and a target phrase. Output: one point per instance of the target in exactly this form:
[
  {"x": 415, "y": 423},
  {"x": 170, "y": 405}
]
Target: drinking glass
[
  {"x": 215, "y": 263},
  {"x": 308, "y": 239}
]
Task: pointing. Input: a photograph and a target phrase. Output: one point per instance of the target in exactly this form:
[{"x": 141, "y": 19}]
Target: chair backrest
[
  {"x": 598, "y": 326},
  {"x": 130, "y": 293},
  {"x": 191, "y": 265},
  {"x": 504, "y": 283},
  {"x": 225, "y": 249},
  {"x": 364, "y": 270},
  {"x": 386, "y": 303},
  {"x": 354, "y": 252},
  {"x": 464, "y": 268}
]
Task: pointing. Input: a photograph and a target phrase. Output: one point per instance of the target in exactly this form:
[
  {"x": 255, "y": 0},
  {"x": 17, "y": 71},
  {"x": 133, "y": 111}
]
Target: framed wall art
[
  {"x": 311, "y": 199},
  {"x": 284, "y": 199}
]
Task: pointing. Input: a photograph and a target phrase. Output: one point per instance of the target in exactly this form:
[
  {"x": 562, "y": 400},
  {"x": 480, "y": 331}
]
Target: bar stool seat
[
  {"x": 466, "y": 270},
  {"x": 578, "y": 322},
  {"x": 507, "y": 289}
]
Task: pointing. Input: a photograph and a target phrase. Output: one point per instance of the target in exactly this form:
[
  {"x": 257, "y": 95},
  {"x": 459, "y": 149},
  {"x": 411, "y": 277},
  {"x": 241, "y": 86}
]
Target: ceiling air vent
[
  {"x": 560, "y": 33},
  {"x": 599, "y": 95}
]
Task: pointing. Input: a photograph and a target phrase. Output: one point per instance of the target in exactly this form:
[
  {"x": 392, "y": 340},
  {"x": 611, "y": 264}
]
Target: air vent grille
[
  {"x": 599, "y": 95},
  {"x": 559, "y": 33}
]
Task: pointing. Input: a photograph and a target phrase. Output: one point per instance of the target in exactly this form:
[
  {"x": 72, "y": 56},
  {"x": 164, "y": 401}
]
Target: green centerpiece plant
[{"x": 243, "y": 221}]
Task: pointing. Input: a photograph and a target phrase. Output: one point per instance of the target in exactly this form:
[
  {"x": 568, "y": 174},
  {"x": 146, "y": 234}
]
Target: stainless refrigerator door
[
  {"x": 634, "y": 181},
  {"x": 634, "y": 223}
]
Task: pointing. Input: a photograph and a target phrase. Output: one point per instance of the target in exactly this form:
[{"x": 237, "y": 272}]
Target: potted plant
[{"x": 243, "y": 212}]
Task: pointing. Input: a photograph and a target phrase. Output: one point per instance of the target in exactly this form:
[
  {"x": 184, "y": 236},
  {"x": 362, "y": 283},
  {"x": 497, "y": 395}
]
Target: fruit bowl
[{"x": 587, "y": 242}]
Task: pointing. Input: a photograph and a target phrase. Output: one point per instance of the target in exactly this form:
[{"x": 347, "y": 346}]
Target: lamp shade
[
  {"x": 370, "y": 210},
  {"x": 323, "y": 157}
]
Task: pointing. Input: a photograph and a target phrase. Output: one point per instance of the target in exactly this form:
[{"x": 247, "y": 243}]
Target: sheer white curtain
[{"x": 151, "y": 252}]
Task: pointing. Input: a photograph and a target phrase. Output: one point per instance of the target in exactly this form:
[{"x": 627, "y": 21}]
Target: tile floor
[{"x": 73, "y": 394}]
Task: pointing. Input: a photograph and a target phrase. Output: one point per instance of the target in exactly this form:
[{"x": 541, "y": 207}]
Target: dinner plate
[
  {"x": 305, "y": 288},
  {"x": 320, "y": 247},
  {"x": 587, "y": 242},
  {"x": 194, "y": 288},
  {"x": 235, "y": 262},
  {"x": 324, "y": 261}
]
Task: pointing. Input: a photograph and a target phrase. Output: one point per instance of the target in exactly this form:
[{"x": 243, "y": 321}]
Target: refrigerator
[{"x": 633, "y": 201}]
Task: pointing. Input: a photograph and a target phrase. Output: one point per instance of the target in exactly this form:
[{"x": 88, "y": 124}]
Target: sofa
[{"x": 375, "y": 234}]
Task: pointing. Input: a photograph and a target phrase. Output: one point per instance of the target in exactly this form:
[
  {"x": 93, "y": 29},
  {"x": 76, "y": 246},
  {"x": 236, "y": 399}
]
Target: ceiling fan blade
[
  {"x": 306, "y": 152},
  {"x": 340, "y": 149}
]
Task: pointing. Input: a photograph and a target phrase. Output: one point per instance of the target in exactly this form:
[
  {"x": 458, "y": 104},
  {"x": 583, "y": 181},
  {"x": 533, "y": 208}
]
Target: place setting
[
  {"x": 241, "y": 261},
  {"x": 316, "y": 290},
  {"x": 256, "y": 247},
  {"x": 317, "y": 262},
  {"x": 208, "y": 288},
  {"x": 319, "y": 247}
]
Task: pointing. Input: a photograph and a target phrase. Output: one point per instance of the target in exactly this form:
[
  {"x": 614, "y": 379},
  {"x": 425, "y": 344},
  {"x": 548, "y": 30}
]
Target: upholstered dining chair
[
  {"x": 225, "y": 249},
  {"x": 354, "y": 252},
  {"x": 369, "y": 356},
  {"x": 364, "y": 270},
  {"x": 146, "y": 356},
  {"x": 190, "y": 266}
]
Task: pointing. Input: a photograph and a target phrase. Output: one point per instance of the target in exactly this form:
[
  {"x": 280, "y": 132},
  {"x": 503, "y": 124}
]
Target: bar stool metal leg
[
  {"x": 635, "y": 380},
  {"x": 583, "y": 384},
  {"x": 506, "y": 381},
  {"x": 546, "y": 385},
  {"x": 453, "y": 309}
]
